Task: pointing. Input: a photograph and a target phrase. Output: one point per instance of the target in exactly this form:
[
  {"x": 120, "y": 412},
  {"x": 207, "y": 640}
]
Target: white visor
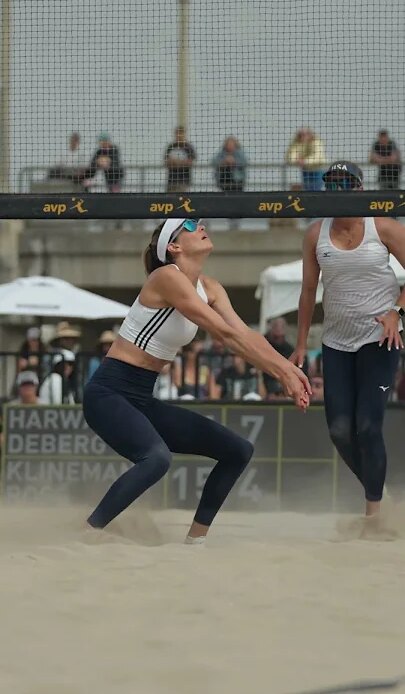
[{"x": 169, "y": 227}]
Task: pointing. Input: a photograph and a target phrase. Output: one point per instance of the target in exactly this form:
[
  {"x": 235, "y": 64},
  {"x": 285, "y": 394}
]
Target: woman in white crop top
[
  {"x": 118, "y": 404},
  {"x": 362, "y": 327}
]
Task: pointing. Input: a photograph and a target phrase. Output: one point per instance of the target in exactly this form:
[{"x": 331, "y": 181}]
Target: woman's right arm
[
  {"x": 307, "y": 300},
  {"x": 179, "y": 292}
]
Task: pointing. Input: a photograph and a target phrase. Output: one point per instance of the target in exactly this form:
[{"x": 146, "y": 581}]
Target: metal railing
[
  {"x": 168, "y": 387},
  {"x": 152, "y": 178}
]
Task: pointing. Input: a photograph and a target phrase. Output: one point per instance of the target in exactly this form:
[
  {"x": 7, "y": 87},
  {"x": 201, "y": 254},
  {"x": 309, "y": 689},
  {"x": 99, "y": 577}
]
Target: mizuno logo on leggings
[{"x": 152, "y": 326}]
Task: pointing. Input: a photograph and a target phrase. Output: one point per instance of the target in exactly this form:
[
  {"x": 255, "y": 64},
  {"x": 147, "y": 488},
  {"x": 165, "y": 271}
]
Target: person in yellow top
[{"x": 307, "y": 151}]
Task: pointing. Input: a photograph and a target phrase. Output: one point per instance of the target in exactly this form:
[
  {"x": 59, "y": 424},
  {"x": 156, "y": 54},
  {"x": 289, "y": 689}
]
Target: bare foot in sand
[{"x": 376, "y": 528}]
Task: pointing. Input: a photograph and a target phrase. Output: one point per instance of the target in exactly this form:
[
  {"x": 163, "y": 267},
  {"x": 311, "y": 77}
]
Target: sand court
[{"x": 278, "y": 603}]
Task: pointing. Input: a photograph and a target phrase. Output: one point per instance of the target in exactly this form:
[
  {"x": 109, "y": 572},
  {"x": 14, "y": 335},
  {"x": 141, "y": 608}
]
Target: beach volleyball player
[
  {"x": 118, "y": 405},
  {"x": 362, "y": 327}
]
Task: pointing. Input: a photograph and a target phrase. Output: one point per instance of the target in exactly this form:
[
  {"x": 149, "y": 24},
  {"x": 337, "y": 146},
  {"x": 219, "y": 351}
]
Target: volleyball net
[{"x": 199, "y": 107}]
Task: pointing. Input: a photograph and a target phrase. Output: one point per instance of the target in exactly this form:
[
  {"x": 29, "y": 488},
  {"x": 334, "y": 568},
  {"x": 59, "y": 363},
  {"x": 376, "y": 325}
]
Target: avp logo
[
  {"x": 387, "y": 205},
  {"x": 277, "y": 206},
  {"x": 59, "y": 208},
  {"x": 383, "y": 205},
  {"x": 167, "y": 207}
]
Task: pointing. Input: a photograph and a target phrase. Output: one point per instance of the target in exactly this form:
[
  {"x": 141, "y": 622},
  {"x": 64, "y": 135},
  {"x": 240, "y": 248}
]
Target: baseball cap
[
  {"x": 64, "y": 355},
  {"x": 343, "y": 167},
  {"x": 33, "y": 333},
  {"x": 27, "y": 377}
]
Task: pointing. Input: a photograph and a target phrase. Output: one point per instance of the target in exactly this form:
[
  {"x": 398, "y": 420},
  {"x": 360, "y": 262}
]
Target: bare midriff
[{"x": 131, "y": 354}]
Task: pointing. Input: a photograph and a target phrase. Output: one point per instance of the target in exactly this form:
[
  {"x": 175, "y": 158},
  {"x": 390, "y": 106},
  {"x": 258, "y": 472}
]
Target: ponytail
[{"x": 150, "y": 259}]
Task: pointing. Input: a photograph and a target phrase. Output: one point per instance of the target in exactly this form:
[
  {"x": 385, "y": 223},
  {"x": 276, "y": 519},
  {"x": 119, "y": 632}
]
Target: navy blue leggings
[
  {"x": 118, "y": 405},
  {"x": 356, "y": 386}
]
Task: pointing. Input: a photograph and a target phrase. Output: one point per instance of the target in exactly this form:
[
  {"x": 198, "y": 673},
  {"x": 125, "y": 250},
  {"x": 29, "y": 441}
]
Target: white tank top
[
  {"x": 159, "y": 331},
  {"x": 358, "y": 284}
]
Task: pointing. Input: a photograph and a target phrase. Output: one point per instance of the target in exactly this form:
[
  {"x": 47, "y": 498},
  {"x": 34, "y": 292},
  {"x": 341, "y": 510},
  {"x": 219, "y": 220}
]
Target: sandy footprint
[
  {"x": 374, "y": 528},
  {"x": 136, "y": 527}
]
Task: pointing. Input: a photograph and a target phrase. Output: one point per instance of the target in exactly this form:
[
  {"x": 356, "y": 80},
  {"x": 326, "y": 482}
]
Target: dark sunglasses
[{"x": 348, "y": 183}]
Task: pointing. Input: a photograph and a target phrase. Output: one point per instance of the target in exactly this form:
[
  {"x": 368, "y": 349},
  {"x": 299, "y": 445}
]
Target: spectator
[
  {"x": 179, "y": 159},
  {"x": 104, "y": 343},
  {"x": 27, "y": 388},
  {"x": 165, "y": 389},
  {"x": 308, "y": 152},
  {"x": 191, "y": 377},
  {"x": 386, "y": 155},
  {"x": 317, "y": 388},
  {"x": 106, "y": 159},
  {"x": 66, "y": 337},
  {"x": 31, "y": 351},
  {"x": 276, "y": 335},
  {"x": 216, "y": 357},
  {"x": 230, "y": 166},
  {"x": 240, "y": 381},
  {"x": 277, "y": 393},
  {"x": 72, "y": 166},
  {"x": 56, "y": 389}
]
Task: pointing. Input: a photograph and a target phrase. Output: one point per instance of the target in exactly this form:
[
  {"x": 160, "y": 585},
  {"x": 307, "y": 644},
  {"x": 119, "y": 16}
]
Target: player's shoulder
[
  {"x": 166, "y": 273},
  {"x": 313, "y": 231},
  {"x": 386, "y": 227}
]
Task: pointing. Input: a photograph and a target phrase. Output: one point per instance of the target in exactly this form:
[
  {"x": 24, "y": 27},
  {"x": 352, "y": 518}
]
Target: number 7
[{"x": 256, "y": 422}]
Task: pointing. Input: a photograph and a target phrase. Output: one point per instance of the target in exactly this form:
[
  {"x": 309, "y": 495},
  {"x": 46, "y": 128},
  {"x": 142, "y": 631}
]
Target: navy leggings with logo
[
  {"x": 356, "y": 387},
  {"x": 118, "y": 405}
]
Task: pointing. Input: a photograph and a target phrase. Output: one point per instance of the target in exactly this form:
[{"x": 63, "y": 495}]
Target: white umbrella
[{"x": 52, "y": 297}]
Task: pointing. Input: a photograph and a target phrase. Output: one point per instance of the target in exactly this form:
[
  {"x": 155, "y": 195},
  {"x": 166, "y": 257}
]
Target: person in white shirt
[
  {"x": 55, "y": 389},
  {"x": 27, "y": 385},
  {"x": 362, "y": 331}
]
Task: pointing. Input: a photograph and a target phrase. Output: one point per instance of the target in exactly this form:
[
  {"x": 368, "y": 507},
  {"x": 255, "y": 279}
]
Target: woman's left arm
[{"x": 392, "y": 234}]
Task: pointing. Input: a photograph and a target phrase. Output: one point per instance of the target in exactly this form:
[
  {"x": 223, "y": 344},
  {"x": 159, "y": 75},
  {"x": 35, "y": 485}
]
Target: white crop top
[{"x": 159, "y": 331}]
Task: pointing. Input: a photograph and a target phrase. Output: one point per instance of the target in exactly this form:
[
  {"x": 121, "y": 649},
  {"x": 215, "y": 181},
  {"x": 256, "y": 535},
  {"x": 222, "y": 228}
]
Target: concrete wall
[
  {"x": 90, "y": 255},
  {"x": 108, "y": 260}
]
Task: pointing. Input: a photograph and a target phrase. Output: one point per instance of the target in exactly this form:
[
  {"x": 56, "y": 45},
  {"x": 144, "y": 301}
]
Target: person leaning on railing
[
  {"x": 308, "y": 152},
  {"x": 230, "y": 166},
  {"x": 179, "y": 158},
  {"x": 386, "y": 155},
  {"x": 107, "y": 159}
]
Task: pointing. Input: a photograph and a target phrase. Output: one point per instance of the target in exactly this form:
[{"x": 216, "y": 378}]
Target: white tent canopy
[
  {"x": 52, "y": 297},
  {"x": 280, "y": 286}
]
